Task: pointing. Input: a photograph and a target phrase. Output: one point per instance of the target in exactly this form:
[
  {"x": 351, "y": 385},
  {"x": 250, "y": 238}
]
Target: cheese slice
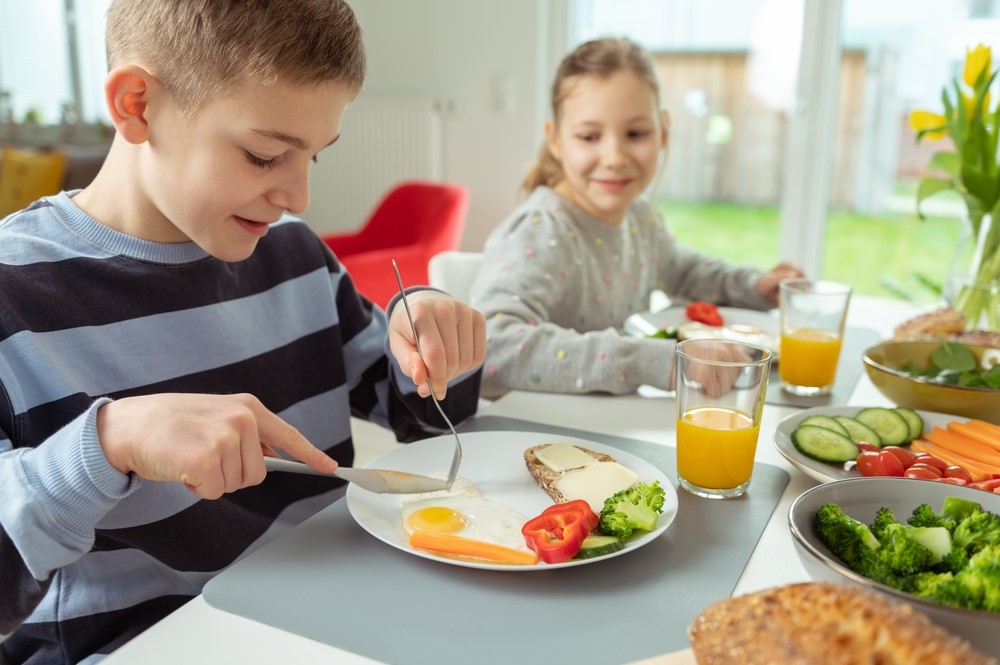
[
  {"x": 596, "y": 482},
  {"x": 562, "y": 457}
]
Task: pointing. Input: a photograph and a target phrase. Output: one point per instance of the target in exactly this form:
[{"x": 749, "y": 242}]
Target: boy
[{"x": 165, "y": 328}]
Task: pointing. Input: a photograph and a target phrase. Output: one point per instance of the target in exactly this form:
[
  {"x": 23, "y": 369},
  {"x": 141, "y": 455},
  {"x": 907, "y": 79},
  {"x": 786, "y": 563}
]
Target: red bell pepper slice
[
  {"x": 557, "y": 534},
  {"x": 704, "y": 312}
]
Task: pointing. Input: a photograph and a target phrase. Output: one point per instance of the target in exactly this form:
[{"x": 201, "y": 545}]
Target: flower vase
[{"x": 973, "y": 283}]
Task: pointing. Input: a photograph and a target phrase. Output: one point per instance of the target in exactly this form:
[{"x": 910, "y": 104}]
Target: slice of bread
[{"x": 546, "y": 477}]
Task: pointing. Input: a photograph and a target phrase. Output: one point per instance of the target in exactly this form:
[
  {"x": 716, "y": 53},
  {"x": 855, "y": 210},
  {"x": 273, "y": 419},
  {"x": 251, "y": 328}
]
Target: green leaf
[
  {"x": 947, "y": 161},
  {"x": 980, "y": 185},
  {"x": 991, "y": 377},
  {"x": 928, "y": 187},
  {"x": 954, "y": 356}
]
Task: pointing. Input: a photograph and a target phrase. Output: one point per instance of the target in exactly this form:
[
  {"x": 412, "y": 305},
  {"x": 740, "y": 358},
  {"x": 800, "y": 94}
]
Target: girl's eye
[
  {"x": 589, "y": 138},
  {"x": 639, "y": 133},
  {"x": 258, "y": 161}
]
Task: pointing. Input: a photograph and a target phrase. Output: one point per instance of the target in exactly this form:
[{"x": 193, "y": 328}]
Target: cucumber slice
[
  {"x": 825, "y": 421},
  {"x": 824, "y": 444},
  {"x": 597, "y": 545},
  {"x": 858, "y": 431},
  {"x": 889, "y": 424},
  {"x": 913, "y": 420}
]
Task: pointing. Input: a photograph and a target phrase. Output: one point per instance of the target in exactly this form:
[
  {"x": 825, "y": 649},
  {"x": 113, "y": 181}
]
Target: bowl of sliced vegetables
[
  {"x": 947, "y": 377},
  {"x": 915, "y": 541}
]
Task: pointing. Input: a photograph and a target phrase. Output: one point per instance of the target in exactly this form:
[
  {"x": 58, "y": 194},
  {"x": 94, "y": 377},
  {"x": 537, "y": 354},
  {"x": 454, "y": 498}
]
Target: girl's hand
[
  {"x": 213, "y": 444},
  {"x": 767, "y": 285},
  {"x": 452, "y": 339}
]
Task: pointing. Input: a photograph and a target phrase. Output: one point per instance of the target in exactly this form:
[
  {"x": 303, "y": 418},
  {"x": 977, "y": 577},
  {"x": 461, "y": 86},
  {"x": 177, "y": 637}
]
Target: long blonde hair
[{"x": 599, "y": 57}]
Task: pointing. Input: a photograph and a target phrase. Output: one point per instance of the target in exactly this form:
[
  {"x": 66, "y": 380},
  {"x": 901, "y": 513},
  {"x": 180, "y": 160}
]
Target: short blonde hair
[
  {"x": 197, "y": 47},
  {"x": 600, "y": 58}
]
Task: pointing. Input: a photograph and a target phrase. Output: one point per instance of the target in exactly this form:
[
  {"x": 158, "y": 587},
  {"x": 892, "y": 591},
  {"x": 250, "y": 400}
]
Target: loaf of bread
[
  {"x": 546, "y": 478},
  {"x": 820, "y": 622}
]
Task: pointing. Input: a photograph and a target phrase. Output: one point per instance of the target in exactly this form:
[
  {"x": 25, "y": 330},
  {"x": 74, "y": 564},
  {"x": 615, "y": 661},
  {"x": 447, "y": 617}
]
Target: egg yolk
[{"x": 437, "y": 519}]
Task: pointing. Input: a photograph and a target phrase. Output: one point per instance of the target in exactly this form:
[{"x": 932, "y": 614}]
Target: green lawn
[{"x": 895, "y": 254}]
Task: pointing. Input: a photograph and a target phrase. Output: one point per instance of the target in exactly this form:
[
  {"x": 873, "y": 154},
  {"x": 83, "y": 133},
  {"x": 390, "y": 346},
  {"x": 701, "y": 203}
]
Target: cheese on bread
[{"x": 567, "y": 472}]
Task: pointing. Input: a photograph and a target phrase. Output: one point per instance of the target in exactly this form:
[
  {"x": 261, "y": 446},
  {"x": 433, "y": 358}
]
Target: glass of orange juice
[
  {"x": 721, "y": 385},
  {"x": 812, "y": 328}
]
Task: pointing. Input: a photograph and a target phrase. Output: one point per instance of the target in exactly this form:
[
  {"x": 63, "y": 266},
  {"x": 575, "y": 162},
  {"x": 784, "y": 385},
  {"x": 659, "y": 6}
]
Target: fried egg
[
  {"x": 469, "y": 516},
  {"x": 461, "y": 487}
]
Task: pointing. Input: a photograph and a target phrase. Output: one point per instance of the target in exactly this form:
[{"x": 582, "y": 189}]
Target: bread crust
[
  {"x": 546, "y": 477},
  {"x": 945, "y": 323},
  {"x": 822, "y": 622}
]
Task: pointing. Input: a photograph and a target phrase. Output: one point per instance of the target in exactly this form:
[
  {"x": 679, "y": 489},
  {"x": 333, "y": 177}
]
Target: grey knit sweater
[{"x": 556, "y": 286}]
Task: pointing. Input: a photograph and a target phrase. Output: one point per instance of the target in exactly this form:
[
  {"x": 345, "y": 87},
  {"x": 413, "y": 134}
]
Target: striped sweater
[{"x": 89, "y": 557}]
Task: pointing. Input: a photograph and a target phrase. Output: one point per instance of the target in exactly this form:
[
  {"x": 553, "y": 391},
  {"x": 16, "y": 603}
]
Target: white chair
[{"x": 453, "y": 272}]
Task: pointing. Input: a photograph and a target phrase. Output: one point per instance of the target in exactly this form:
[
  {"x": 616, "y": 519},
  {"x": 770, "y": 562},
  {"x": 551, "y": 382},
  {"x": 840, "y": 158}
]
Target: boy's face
[
  {"x": 221, "y": 176},
  {"x": 609, "y": 140}
]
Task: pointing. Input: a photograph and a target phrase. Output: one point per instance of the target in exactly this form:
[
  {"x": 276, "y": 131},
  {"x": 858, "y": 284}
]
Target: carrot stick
[
  {"x": 989, "y": 428},
  {"x": 973, "y": 432},
  {"x": 974, "y": 468},
  {"x": 963, "y": 446},
  {"x": 469, "y": 548}
]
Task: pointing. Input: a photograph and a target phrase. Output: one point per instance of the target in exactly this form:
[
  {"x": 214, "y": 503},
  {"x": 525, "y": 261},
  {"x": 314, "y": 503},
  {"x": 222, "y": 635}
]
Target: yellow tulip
[
  {"x": 977, "y": 60},
  {"x": 925, "y": 120},
  {"x": 970, "y": 104}
]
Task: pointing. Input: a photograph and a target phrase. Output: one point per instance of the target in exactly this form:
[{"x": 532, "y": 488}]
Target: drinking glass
[
  {"x": 812, "y": 329},
  {"x": 721, "y": 385}
]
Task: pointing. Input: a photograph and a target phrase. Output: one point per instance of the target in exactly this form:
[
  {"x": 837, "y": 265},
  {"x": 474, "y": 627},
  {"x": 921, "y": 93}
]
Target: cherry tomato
[
  {"x": 879, "y": 463},
  {"x": 951, "y": 481},
  {"x": 923, "y": 472},
  {"x": 905, "y": 456},
  {"x": 864, "y": 445},
  {"x": 704, "y": 312},
  {"x": 929, "y": 468},
  {"x": 988, "y": 485},
  {"x": 955, "y": 471},
  {"x": 927, "y": 458}
]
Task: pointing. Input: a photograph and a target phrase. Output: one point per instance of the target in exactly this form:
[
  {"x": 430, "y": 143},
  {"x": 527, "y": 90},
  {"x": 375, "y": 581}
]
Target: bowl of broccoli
[{"x": 933, "y": 545}]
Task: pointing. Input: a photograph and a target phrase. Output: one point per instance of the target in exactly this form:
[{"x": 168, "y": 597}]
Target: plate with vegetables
[
  {"x": 481, "y": 522},
  {"x": 823, "y": 442},
  {"x": 700, "y": 320}
]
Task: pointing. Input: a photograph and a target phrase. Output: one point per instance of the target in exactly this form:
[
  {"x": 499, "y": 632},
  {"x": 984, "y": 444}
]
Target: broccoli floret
[
  {"x": 884, "y": 517},
  {"x": 955, "y": 560},
  {"x": 845, "y": 536},
  {"x": 956, "y": 509},
  {"x": 928, "y": 585},
  {"x": 901, "y": 553},
  {"x": 937, "y": 539},
  {"x": 924, "y": 516},
  {"x": 637, "y": 507},
  {"x": 977, "y": 530}
]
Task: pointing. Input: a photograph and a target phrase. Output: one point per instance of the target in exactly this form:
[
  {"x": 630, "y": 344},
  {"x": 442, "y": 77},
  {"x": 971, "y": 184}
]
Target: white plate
[
  {"x": 734, "y": 319},
  {"x": 494, "y": 463},
  {"x": 822, "y": 471}
]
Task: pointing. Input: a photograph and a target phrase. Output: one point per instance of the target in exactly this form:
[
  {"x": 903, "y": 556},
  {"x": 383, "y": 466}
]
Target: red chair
[{"x": 414, "y": 221}]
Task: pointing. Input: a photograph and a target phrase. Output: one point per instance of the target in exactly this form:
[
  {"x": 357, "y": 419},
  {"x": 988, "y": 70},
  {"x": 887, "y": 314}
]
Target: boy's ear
[
  {"x": 552, "y": 141},
  {"x": 127, "y": 92}
]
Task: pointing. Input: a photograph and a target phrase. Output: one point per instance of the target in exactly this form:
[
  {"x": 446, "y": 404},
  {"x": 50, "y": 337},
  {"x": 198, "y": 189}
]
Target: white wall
[{"x": 459, "y": 51}]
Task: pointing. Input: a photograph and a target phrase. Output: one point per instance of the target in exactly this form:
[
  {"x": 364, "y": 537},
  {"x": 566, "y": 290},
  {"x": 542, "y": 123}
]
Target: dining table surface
[{"x": 199, "y": 633}]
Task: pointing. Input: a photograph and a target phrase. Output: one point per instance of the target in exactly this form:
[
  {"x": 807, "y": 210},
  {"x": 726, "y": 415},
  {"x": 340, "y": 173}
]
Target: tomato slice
[
  {"x": 960, "y": 472},
  {"x": 927, "y": 458},
  {"x": 879, "y": 463},
  {"x": 906, "y": 456},
  {"x": 704, "y": 312},
  {"x": 923, "y": 472}
]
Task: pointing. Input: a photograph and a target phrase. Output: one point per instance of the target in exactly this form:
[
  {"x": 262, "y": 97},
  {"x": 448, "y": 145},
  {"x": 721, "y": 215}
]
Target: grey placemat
[
  {"x": 849, "y": 370},
  {"x": 329, "y": 580}
]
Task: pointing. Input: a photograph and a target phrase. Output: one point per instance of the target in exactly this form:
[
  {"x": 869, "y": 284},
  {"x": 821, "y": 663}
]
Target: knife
[{"x": 379, "y": 481}]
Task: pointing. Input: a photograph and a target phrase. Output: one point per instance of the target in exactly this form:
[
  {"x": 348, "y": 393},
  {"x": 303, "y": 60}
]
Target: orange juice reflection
[
  {"x": 715, "y": 447},
  {"x": 809, "y": 357}
]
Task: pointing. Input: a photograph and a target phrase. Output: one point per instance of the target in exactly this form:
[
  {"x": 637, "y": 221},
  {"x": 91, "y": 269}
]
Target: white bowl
[{"x": 861, "y": 498}]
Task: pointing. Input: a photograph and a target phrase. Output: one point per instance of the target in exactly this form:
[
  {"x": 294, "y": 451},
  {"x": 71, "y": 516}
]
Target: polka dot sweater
[{"x": 556, "y": 286}]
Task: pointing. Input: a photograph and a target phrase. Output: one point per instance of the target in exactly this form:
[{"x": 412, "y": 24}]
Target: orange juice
[
  {"x": 715, "y": 447},
  {"x": 809, "y": 357}
]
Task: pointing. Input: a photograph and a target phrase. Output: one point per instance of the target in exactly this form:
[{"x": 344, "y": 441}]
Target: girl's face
[{"x": 609, "y": 138}]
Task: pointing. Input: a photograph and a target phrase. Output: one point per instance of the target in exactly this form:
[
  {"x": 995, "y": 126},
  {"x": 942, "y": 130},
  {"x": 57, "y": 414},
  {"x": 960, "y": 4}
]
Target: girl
[{"x": 584, "y": 251}]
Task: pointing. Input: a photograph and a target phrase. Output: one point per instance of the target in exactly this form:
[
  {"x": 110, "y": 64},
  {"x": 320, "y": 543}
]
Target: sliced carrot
[
  {"x": 975, "y": 433},
  {"x": 989, "y": 428},
  {"x": 471, "y": 549},
  {"x": 975, "y": 469},
  {"x": 963, "y": 446}
]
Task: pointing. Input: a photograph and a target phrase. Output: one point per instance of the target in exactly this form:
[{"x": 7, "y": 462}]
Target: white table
[{"x": 198, "y": 633}]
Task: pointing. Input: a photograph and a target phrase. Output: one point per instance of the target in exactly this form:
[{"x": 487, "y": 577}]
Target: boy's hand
[
  {"x": 767, "y": 285},
  {"x": 452, "y": 339},
  {"x": 212, "y": 443}
]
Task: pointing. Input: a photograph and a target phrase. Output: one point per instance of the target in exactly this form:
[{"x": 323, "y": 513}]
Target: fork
[{"x": 456, "y": 460}]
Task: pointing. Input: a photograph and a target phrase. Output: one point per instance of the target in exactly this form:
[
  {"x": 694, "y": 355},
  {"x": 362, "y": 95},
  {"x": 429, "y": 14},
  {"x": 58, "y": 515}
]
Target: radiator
[{"x": 383, "y": 142}]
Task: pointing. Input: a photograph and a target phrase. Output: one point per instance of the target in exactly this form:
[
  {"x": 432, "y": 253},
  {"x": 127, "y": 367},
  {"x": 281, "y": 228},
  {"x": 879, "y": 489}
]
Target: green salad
[{"x": 954, "y": 363}]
